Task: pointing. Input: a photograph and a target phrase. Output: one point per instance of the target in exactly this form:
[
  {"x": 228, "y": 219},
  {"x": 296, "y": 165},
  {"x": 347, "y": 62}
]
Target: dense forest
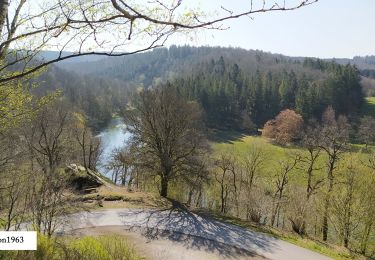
[
  {"x": 96, "y": 97},
  {"x": 235, "y": 86},
  {"x": 232, "y": 97}
]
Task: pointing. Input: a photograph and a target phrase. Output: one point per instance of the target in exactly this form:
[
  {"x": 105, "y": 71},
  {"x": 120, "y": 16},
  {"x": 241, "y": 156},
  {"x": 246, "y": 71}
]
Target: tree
[
  {"x": 311, "y": 141},
  {"x": 13, "y": 202},
  {"x": 226, "y": 177},
  {"x": 83, "y": 28},
  {"x": 121, "y": 164},
  {"x": 281, "y": 181},
  {"x": 34, "y": 185},
  {"x": 368, "y": 213},
  {"x": 345, "y": 203},
  {"x": 49, "y": 137},
  {"x": 166, "y": 129},
  {"x": 334, "y": 135},
  {"x": 285, "y": 128},
  {"x": 14, "y": 106},
  {"x": 366, "y": 131},
  {"x": 90, "y": 145},
  {"x": 252, "y": 165}
]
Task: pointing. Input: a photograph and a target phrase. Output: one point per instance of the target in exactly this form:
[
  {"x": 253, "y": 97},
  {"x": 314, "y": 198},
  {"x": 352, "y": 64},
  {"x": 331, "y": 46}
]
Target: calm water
[{"x": 113, "y": 137}]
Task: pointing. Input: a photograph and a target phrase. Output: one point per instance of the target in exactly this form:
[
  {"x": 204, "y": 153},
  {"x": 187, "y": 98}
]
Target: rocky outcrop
[{"x": 82, "y": 179}]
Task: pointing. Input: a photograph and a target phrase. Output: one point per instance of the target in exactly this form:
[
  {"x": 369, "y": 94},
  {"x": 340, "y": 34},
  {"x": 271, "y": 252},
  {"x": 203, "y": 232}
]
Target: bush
[
  {"x": 86, "y": 248},
  {"x": 285, "y": 128}
]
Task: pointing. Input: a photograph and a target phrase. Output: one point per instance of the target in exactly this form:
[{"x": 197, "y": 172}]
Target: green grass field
[
  {"x": 273, "y": 153},
  {"x": 368, "y": 108}
]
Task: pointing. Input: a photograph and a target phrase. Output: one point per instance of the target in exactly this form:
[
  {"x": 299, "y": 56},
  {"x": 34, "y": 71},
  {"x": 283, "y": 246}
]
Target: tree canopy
[{"x": 111, "y": 27}]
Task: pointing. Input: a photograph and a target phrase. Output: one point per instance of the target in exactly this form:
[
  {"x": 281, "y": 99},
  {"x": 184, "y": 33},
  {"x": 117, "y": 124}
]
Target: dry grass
[{"x": 112, "y": 196}]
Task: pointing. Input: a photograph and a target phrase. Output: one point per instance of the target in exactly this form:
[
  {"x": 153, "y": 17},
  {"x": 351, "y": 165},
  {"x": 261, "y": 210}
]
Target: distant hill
[
  {"x": 163, "y": 63},
  {"x": 50, "y": 55},
  {"x": 362, "y": 62},
  {"x": 167, "y": 64}
]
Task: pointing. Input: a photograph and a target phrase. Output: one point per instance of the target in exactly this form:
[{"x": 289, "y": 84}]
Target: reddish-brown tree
[{"x": 285, "y": 128}]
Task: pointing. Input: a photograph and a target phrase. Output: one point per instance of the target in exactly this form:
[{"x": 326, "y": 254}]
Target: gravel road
[{"x": 192, "y": 231}]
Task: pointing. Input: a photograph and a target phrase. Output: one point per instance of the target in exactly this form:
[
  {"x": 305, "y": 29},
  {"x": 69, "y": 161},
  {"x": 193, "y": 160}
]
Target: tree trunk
[
  {"x": 164, "y": 186},
  {"x": 328, "y": 197},
  {"x": 222, "y": 199},
  {"x": 130, "y": 182},
  {"x": 325, "y": 219},
  {"x": 4, "y": 4},
  {"x": 365, "y": 238},
  {"x": 190, "y": 196},
  {"x": 199, "y": 199}
]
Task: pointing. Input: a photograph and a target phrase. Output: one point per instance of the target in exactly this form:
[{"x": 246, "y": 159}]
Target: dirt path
[
  {"x": 162, "y": 248},
  {"x": 181, "y": 226}
]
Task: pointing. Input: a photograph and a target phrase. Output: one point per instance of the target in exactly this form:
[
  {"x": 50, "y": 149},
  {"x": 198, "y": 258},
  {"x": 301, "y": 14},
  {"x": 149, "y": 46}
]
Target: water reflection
[{"x": 113, "y": 137}]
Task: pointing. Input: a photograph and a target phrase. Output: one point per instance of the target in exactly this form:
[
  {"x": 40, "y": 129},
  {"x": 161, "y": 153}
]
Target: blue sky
[{"x": 329, "y": 28}]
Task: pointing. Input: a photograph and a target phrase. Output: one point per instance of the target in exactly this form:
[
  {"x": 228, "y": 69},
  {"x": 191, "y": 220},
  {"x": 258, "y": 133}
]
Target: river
[{"x": 113, "y": 137}]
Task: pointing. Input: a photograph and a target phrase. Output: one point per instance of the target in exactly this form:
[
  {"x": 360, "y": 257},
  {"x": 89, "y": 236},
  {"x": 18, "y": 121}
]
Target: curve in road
[{"x": 173, "y": 222}]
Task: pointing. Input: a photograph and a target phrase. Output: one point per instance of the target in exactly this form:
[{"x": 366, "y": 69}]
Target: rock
[
  {"x": 81, "y": 179},
  {"x": 81, "y": 168}
]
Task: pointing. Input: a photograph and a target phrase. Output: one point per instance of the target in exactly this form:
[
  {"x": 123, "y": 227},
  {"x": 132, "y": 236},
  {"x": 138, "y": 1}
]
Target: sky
[{"x": 326, "y": 29}]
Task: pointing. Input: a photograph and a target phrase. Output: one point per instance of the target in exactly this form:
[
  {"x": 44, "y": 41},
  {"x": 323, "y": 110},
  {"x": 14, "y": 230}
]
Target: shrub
[
  {"x": 85, "y": 248},
  {"x": 285, "y": 128}
]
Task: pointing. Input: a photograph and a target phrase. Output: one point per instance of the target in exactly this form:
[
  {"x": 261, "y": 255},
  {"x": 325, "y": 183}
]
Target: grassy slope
[
  {"x": 273, "y": 153},
  {"x": 369, "y": 107},
  {"x": 239, "y": 145}
]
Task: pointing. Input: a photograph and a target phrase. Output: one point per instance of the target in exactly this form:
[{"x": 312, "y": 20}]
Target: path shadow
[
  {"x": 193, "y": 231},
  {"x": 225, "y": 136}
]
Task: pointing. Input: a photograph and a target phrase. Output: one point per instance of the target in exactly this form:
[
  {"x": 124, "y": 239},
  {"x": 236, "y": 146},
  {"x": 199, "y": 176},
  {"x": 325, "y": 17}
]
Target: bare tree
[
  {"x": 50, "y": 138},
  {"x": 334, "y": 138},
  {"x": 50, "y": 199},
  {"x": 51, "y": 146},
  {"x": 112, "y": 27},
  {"x": 14, "y": 203},
  {"x": 366, "y": 131},
  {"x": 90, "y": 145},
  {"x": 226, "y": 177},
  {"x": 122, "y": 163},
  {"x": 252, "y": 165},
  {"x": 167, "y": 132},
  {"x": 281, "y": 181},
  {"x": 311, "y": 141}
]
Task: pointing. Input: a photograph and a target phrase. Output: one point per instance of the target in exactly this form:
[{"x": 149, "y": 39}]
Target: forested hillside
[
  {"x": 231, "y": 96},
  {"x": 97, "y": 97},
  {"x": 238, "y": 88}
]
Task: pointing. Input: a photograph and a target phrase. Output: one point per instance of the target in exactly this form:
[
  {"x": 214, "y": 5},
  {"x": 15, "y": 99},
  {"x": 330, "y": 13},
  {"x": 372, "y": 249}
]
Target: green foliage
[
  {"x": 85, "y": 248},
  {"x": 90, "y": 248},
  {"x": 15, "y": 105},
  {"x": 226, "y": 94}
]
